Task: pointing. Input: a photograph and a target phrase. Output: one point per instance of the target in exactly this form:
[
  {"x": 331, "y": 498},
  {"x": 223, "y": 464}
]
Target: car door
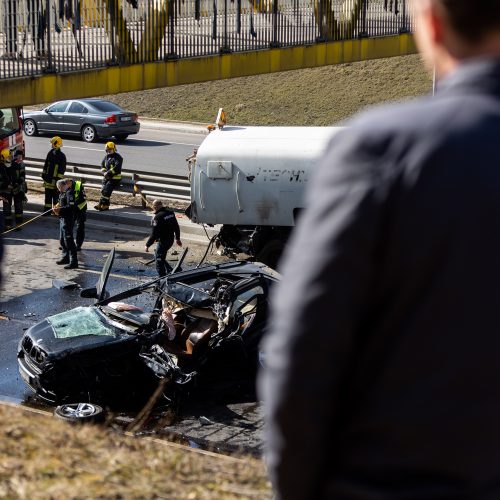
[
  {"x": 75, "y": 116},
  {"x": 53, "y": 117}
]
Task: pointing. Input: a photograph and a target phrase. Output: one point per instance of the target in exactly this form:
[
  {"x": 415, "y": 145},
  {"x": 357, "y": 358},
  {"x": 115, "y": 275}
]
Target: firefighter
[
  {"x": 12, "y": 186},
  {"x": 111, "y": 168},
  {"x": 66, "y": 209},
  {"x": 53, "y": 170},
  {"x": 164, "y": 228}
]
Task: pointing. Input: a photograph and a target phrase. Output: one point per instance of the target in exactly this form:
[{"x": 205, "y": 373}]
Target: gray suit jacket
[{"x": 383, "y": 361}]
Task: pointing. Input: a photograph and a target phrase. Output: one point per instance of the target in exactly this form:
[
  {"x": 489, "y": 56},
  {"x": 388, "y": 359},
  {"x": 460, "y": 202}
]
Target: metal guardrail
[{"x": 166, "y": 186}]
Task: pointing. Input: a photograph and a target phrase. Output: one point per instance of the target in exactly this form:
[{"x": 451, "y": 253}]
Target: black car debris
[{"x": 196, "y": 323}]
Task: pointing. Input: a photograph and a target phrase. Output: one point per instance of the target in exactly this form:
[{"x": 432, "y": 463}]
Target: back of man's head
[
  {"x": 472, "y": 20},
  {"x": 157, "y": 204}
]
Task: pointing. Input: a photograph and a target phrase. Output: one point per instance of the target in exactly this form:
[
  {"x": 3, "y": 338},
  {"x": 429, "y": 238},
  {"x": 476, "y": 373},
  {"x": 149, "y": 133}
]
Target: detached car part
[{"x": 80, "y": 413}]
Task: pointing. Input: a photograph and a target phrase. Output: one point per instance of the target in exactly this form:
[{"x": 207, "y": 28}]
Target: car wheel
[
  {"x": 88, "y": 133},
  {"x": 30, "y": 128},
  {"x": 79, "y": 412},
  {"x": 121, "y": 137}
]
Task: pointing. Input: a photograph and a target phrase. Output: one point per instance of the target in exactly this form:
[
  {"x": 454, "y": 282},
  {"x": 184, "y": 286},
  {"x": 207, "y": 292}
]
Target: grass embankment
[
  {"x": 318, "y": 96},
  {"x": 41, "y": 457}
]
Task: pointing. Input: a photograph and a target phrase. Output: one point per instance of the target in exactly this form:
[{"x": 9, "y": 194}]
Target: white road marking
[
  {"x": 130, "y": 145},
  {"x": 168, "y": 143},
  {"x": 85, "y": 149}
]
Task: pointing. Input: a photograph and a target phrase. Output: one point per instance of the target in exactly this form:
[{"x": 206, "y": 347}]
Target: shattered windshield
[{"x": 78, "y": 322}]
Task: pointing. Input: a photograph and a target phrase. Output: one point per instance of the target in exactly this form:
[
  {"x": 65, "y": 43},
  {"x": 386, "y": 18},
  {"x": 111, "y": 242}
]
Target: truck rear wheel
[{"x": 270, "y": 253}]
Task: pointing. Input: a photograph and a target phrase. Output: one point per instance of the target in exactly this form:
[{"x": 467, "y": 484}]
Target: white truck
[{"x": 252, "y": 181}]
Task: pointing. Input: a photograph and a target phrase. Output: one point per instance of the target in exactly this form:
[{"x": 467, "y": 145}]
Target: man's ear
[{"x": 436, "y": 20}]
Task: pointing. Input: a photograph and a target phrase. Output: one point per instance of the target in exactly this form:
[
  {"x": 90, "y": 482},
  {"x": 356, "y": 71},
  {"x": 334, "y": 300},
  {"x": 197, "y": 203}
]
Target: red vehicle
[{"x": 11, "y": 129}]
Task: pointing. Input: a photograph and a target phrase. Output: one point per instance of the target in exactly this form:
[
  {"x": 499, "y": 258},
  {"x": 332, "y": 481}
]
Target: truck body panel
[{"x": 255, "y": 176}]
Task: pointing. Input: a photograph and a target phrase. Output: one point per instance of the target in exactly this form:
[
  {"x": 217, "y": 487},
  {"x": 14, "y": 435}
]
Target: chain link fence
[{"x": 57, "y": 36}]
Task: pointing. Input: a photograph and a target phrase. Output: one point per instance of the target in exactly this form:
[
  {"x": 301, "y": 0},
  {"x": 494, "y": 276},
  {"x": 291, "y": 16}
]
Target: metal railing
[
  {"x": 174, "y": 187},
  {"x": 48, "y": 36}
]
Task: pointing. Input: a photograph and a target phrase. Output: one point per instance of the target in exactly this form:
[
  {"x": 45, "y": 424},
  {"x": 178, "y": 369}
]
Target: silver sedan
[{"x": 91, "y": 119}]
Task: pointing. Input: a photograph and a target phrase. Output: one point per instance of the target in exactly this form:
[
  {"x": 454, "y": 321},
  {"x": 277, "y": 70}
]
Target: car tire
[
  {"x": 121, "y": 137},
  {"x": 88, "y": 133},
  {"x": 80, "y": 413},
  {"x": 30, "y": 128},
  {"x": 271, "y": 253}
]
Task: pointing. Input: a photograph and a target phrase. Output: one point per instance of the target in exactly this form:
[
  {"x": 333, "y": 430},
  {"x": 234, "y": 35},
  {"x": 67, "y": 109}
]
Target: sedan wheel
[
  {"x": 30, "y": 128},
  {"x": 79, "y": 412},
  {"x": 88, "y": 133}
]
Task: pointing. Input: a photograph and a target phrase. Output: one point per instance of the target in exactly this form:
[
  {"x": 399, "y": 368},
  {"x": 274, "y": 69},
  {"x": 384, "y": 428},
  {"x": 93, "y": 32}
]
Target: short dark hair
[{"x": 473, "y": 19}]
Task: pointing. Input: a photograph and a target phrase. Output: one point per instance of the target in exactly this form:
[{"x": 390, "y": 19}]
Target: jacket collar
[{"x": 477, "y": 75}]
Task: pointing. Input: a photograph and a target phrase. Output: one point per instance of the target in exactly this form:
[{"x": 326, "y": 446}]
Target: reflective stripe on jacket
[
  {"x": 80, "y": 198},
  {"x": 112, "y": 164}
]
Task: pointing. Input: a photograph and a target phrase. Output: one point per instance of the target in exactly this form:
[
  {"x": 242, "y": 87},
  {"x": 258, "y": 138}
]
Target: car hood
[{"x": 77, "y": 329}]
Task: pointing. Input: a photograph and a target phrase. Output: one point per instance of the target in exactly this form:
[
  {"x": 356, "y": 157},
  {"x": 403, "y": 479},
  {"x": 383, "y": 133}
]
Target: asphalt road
[
  {"x": 27, "y": 294},
  {"x": 158, "y": 148},
  {"x": 215, "y": 420}
]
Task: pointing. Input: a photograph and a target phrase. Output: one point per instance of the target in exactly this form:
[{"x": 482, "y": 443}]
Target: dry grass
[
  {"x": 319, "y": 96},
  {"x": 41, "y": 457}
]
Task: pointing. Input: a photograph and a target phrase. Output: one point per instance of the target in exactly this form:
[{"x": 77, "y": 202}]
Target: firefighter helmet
[
  {"x": 111, "y": 145},
  {"x": 5, "y": 154},
  {"x": 56, "y": 142}
]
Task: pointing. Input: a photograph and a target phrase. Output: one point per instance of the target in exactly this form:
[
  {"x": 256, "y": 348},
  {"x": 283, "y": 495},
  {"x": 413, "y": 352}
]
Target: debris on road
[{"x": 63, "y": 285}]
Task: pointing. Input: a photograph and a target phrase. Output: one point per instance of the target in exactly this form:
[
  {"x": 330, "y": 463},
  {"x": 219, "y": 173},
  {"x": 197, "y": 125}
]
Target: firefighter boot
[{"x": 101, "y": 207}]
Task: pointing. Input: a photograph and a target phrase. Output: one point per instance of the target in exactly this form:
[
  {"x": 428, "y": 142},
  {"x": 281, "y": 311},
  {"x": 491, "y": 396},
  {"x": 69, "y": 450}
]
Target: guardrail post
[{"x": 137, "y": 190}]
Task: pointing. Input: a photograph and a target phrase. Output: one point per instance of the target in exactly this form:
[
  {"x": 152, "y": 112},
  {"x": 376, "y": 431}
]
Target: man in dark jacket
[
  {"x": 382, "y": 362},
  {"x": 12, "y": 186},
  {"x": 164, "y": 229},
  {"x": 111, "y": 169},
  {"x": 66, "y": 209},
  {"x": 53, "y": 170}
]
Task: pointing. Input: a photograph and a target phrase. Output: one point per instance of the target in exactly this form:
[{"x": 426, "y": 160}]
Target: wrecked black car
[{"x": 190, "y": 324}]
